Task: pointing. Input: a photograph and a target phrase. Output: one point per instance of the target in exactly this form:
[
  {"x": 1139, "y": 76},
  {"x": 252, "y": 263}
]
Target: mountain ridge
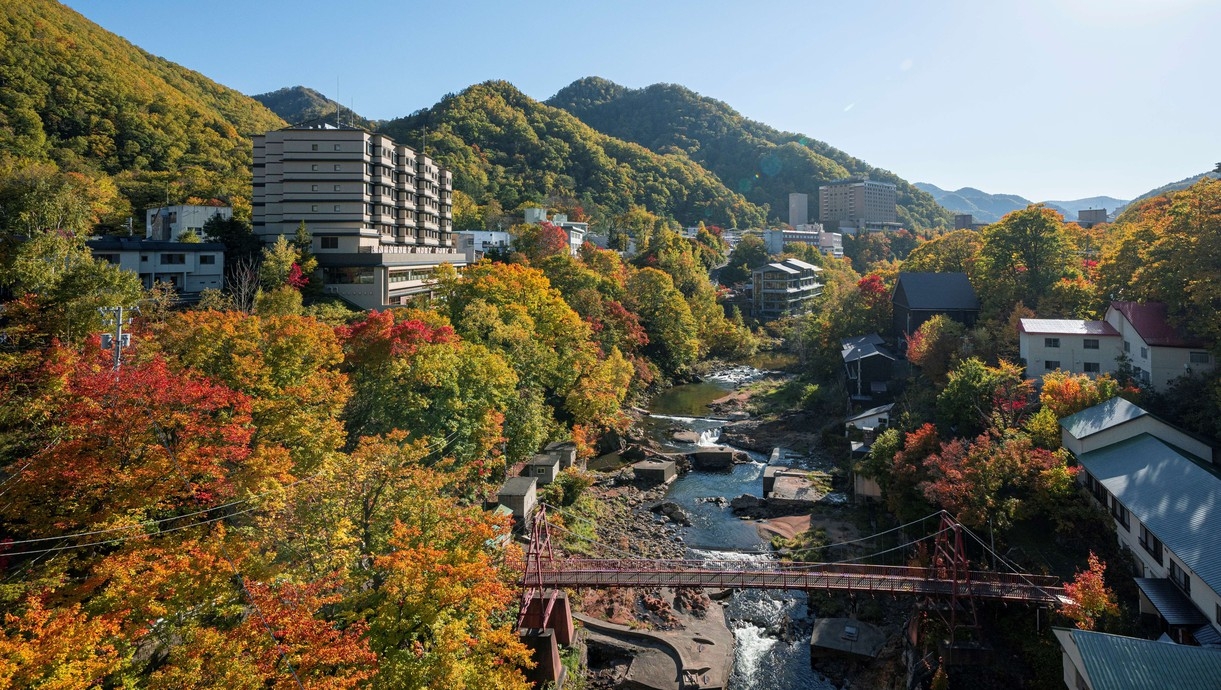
[
  {"x": 989, "y": 208},
  {"x": 301, "y": 104}
]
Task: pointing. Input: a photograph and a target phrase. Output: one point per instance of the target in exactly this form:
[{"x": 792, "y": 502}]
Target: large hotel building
[
  {"x": 379, "y": 212},
  {"x": 863, "y": 204}
]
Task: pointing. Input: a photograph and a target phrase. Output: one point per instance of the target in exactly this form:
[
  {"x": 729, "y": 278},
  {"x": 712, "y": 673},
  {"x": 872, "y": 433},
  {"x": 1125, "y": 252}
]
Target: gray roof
[
  {"x": 137, "y": 244},
  {"x": 1067, "y": 327},
  {"x": 870, "y": 412},
  {"x": 948, "y": 291},
  {"x": 1170, "y": 601},
  {"x": 1101, "y": 417},
  {"x": 776, "y": 267},
  {"x": 1113, "y": 662},
  {"x": 543, "y": 459},
  {"x": 798, "y": 263},
  {"x": 1176, "y": 498},
  {"x": 518, "y": 486},
  {"x": 862, "y": 346}
]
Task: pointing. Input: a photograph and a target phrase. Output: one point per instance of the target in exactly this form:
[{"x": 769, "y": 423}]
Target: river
[{"x": 763, "y": 661}]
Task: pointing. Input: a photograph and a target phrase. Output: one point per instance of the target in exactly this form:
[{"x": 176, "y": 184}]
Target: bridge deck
[{"x": 802, "y": 576}]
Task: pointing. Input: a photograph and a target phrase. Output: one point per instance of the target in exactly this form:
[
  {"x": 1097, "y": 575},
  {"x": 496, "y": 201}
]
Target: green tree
[
  {"x": 749, "y": 253},
  {"x": 1021, "y": 258},
  {"x": 673, "y": 333}
]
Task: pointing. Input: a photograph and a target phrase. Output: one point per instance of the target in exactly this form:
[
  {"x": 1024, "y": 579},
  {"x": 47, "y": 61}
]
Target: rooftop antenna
[
  {"x": 338, "y": 106},
  {"x": 425, "y": 147}
]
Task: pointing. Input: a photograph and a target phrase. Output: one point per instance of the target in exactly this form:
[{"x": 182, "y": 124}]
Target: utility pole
[{"x": 113, "y": 316}]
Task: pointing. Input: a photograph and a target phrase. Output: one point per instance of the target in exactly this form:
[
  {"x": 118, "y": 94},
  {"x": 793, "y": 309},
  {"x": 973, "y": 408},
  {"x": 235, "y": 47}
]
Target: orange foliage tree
[{"x": 1090, "y": 598}]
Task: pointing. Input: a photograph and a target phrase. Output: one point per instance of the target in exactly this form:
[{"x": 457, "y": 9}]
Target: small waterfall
[
  {"x": 752, "y": 646},
  {"x": 709, "y": 437}
]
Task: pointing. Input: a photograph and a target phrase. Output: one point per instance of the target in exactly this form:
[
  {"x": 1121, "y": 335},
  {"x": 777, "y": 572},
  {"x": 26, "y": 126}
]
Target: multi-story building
[
  {"x": 476, "y": 243},
  {"x": 829, "y": 243},
  {"x": 380, "y": 213},
  {"x": 799, "y": 209},
  {"x": 1158, "y": 351},
  {"x": 190, "y": 267},
  {"x": 576, "y": 231},
  {"x": 1072, "y": 345},
  {"x": 1089, "y": 217},
  {"x": 166, "y": 222},
  {"x": 784, "y": 288},
  {"x": 1161, "y": 486},
  {"x": 863, "y": 204}
]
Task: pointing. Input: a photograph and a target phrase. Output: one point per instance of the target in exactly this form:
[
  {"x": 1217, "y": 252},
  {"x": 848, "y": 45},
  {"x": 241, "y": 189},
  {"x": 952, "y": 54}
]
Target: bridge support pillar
[
  {"x": 546, "y": 653},
  {"x": 560, "y": 619}
]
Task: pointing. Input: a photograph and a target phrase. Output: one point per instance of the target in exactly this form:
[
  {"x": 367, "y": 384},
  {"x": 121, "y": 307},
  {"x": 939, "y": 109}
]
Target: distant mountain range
[{"x": 989, "y": 208}]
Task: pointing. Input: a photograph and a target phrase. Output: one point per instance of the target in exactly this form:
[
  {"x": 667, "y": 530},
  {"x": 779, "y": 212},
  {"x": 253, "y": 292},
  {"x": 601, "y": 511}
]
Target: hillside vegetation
[
  {"x": 506, "y": 147},
  {"x": 758, "y": 161},
  {"x": 91, "y": 102},
  {"x": 301, "y": 104}
]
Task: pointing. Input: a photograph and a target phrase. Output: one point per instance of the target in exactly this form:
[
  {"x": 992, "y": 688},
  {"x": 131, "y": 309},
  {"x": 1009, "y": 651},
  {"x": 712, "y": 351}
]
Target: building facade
[
  {"x": 164, "y": 223},
  {"x": 859, "y": 203},
  {"x": 1089, "y": 217},
  {"x": 191, "y": 267},
  {"x": 799, "y": 209},
  {"x": 1072, "y": 345},
  {"x": 784, "y": 288},
  {"x": 380, "y": 213},
  {"x": 1158, "y": 351},
  {"x": 829, "y": 243}
]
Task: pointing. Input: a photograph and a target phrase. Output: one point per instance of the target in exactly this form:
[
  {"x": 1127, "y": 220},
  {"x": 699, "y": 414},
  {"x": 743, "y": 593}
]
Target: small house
[
  {"x": 1158, "y": 350},
  {"x": 543, "y": 467},
  {"x": 868, "y": 365},
  {"x": 565, "y": 452},
  {"x": 919, "y": 297},
  {"x": 871, "y": 421},
  {"x": 520, "y": 495}
]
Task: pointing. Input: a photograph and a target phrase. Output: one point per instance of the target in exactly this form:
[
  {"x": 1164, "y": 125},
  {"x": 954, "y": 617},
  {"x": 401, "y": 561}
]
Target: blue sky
[{"x": 1049, "y": 99}]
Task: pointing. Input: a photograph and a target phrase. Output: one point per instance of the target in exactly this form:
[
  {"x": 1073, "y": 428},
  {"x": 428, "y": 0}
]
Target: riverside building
[{"x": 380, "y": 213}]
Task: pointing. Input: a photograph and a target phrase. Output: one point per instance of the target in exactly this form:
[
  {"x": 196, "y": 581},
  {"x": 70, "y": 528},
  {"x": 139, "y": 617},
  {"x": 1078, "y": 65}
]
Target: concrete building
[
  {"x": 966, "y": 221},
  {"x": 166, "y": 222},
  {"x": 829, "y": 243},
  {"x": 799, "y": 209},
  {"x": 1159, "y": 351},
  {"x": 1072, "y": 345},
  {"x": 566, "y": 453},
  {"x": 785, "y": 288},
  {"x": 474, "y": 244},
  {"x": 861, "y": 204},
  {"x": 543, "y": 467},
  {"x": 519, "y": 494},
  {"x": 190, "y": 267},
  {"x": 1165, "y": 498},
  {"x": 1089, "y": 217},
  {"x": 576, "y": 231},
  {"x": 380, "y": 213}
]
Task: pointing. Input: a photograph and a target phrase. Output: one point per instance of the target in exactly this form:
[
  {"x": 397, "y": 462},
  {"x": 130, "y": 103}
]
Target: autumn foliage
[{"x": 1090, "y": 598}]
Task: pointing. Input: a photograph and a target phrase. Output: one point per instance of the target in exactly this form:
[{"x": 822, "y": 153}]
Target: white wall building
[
  {"x": 1072, "y": 345},
  {"x": 166, "y": 222},
  {"x": 1159, "y": 352},
  {"x": 474, "y": 244},
  {"x": 190, "y": 267},
  {"x": 576, "y": 231}
]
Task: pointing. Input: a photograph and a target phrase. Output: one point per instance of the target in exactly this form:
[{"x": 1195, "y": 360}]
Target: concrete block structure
[
  {"x": 164, "y": 223},
  {"x": 543, "y": 467},
  {"x": 655, "y": 471},
  {"x": 380, "y": 213},
  {"x": 190, "y": 267},
  {"x": 1072, "y": 345}
]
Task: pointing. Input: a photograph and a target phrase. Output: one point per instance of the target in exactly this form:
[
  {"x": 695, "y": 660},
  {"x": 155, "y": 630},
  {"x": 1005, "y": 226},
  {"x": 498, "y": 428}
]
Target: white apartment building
[
  {"x": 190, "y": 267},
  {"x": 1159, "y": 352},
  {"x": 1072, "y": 345},
  {"x": 829, "y": 243},
  {"x": 1164, "y": 495},
  {"x": 474, "y": 244},
  {"x": 166, "y": 222},
  {"x": 380, "y": 213}
]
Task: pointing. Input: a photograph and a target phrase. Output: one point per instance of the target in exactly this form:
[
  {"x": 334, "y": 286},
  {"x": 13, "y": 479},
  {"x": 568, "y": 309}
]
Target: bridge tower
[
  {"x": 545, "y": 616},
  {"x": 950, "y": 565}
]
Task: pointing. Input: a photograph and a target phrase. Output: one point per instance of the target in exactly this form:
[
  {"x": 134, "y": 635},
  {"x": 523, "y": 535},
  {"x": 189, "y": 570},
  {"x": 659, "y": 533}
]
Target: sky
[{"x": 1047, "y": 99}]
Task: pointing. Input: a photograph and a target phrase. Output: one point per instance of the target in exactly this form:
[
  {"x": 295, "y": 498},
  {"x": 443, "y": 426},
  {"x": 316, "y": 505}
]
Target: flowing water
[{"x": 771, "y": 627}]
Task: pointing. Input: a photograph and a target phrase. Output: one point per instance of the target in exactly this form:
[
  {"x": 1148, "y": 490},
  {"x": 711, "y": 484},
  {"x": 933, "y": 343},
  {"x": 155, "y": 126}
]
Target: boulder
[
  {"x": 685, "y": 436},
  {"x": 673, "y": 511}
]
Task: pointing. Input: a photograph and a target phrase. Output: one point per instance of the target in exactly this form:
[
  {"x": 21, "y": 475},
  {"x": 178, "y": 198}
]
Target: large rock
[
  {"x": 746, "y": 502},
  {"x": 673, "y": 511},
  {"x": 685, "y": 436}
]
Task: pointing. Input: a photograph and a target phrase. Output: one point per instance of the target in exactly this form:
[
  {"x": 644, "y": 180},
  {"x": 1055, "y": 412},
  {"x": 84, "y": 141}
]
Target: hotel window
[
  {"x": 313, "y": 188},
  {"x": 1051, "y": 364},
  {"x": 1144, "y": 353},
  {"x": 314, "y": 208},
  {"x": 328, "y": 242},
  {"x": 1198, "y": 358},
  {"x": 336, "y": 147},
  {"x": 313, "y": 147},
  {"x": 1151, "y": 544},
  {"x": 1180, "y": 577},
  {"x": 1121, "y": 514},
  {"x": 1090, "y": 343},
  {"x": 337, "y": 188},
  {"x": 338, "y": 167},
  {"x": 1051, "y": 342},
  {"x": 314, "y": 167},
  {"x": 207, "y": 259},
  {"x": 173, "y": 258},
  {"x": 337, "y": 208},
  {"x": 1127, "y": 346},
  {"x": 1092, "y": 367}
]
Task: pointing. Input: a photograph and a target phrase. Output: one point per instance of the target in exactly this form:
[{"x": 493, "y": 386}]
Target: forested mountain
[
  {"x": 1073, "y": 206},
  {"x": 90, "y": 102},
  {"x": 301, "y": 104},
  {"x": 762, "y": 163},
  {"x": 1176, "y": 186},
  {"x": 503, "y": 145}
]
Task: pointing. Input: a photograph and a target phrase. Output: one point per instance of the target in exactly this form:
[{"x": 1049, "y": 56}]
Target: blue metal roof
[
  {"x": 1170, "y": 602},
  {"x": 1176, "y": 498},
  {"x": 1100, "y": 417},
  {"x": 1113, "y": 662},
  {"x": 862, "y": 346}
]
